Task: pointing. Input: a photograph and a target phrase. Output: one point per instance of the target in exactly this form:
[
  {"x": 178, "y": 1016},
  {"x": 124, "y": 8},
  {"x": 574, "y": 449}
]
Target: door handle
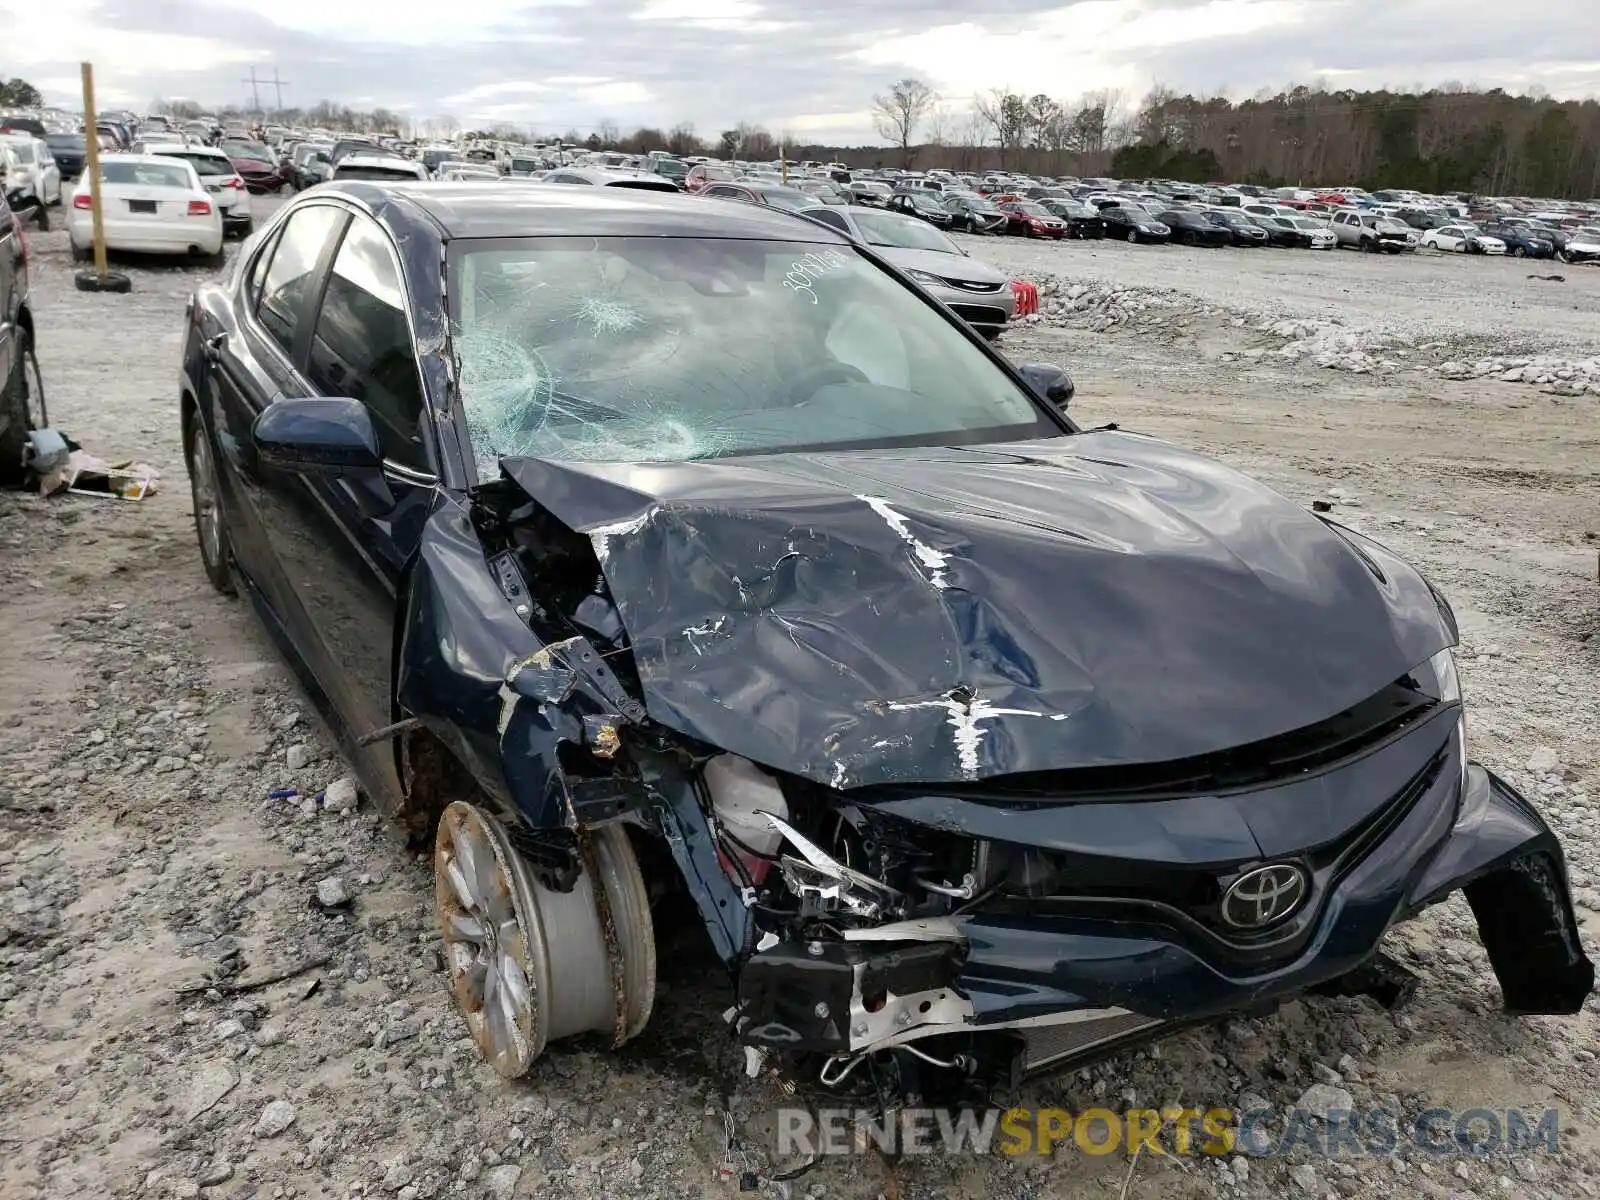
[{"x": 213, "y": 346}]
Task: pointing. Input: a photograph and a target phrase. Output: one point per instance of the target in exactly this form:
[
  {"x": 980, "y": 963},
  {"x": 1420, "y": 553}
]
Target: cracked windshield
[{"x": 666, "y": 349}]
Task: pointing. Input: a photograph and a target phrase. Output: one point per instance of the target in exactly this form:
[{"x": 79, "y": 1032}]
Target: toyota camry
[{"x": 634, "y": 546}]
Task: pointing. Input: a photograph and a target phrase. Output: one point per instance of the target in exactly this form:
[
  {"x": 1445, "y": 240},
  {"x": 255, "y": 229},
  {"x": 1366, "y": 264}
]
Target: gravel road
[{"x": 150, "y": 891}]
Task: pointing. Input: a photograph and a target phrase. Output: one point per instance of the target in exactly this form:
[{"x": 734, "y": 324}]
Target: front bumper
[{"x": 1072, "y": 977}]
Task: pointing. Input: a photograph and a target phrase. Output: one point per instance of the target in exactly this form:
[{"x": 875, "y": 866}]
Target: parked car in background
[
  {"x": 1241, "y": 228},
  {"x": 1283, "y": 233},
  {"x": 465, "y": 174},
  {"x": 256, "y": 164},
  {"x": 975, "y": 214},
  {"x": 923, "y": 205},
  {"x": 1562, "y": 241},
  {"x": 377, "y": 165},
  {"x": 869, "y": 191},
  {"x": 1317, "y": 229},
  {"x": 772, "y": 195},
  {"x": 148, "y": 205},
  {"x": 1133, "y": 223},
  {"x": 1190, "y": 228},
  {"x": 824, "y": 191},
  {"x": 1031, "y": 219},
  {"x": 978, "y": 293},
  {"x": 673, "y": 170},
  {"x": 1372, "y": 232},
  {"x": 1083, "y": 220},
  {"x": 606, "y": 177},
  {"x": 1580, "y": 246},
  {"x": 216, "y": 173},
  {"x": 29, "y": 157},
  {"x": 1462, "y": 239},
  {"x": 69, "y": 151},
  {"x": 701, "y": 174},
  {"x": 22, "y": 400},
  {"x": 310, "y": 163},
  {"x": 1522, "y": 241}
]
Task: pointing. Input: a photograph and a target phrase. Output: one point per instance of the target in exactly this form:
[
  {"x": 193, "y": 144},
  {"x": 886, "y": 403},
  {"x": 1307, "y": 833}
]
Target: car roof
[
  {"x": 491, "y": 210},
  {"x": 182, "y": 148}
]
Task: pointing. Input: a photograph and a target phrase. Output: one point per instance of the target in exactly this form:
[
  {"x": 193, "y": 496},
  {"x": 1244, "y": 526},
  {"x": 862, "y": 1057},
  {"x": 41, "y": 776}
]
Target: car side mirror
[
  {"x": 1050, "y": 382},
  {"x": 323, "y": 435}
]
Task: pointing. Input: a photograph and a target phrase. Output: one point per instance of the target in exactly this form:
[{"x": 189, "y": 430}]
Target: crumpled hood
[{"x": 940, "y": 614}]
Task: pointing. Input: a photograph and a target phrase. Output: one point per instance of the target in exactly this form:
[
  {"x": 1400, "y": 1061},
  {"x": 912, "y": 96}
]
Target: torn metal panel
[
  {"x": 503, "y": 701},
  {"x": 932, "y": 615}
]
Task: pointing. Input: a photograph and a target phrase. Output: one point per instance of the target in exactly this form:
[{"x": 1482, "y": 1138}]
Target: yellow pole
[{"x": 91, "y": 145}]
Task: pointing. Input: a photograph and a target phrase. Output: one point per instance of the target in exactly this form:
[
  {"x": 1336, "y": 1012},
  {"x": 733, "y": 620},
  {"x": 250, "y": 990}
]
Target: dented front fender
[{"x": 498, "y": 696}]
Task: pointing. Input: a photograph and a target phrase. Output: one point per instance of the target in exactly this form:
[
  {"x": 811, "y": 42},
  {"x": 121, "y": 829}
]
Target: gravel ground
[{"x": 150, "y": 891}]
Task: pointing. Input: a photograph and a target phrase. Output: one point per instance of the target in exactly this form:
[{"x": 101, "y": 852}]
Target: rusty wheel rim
[{"x": 483, "y": 916}]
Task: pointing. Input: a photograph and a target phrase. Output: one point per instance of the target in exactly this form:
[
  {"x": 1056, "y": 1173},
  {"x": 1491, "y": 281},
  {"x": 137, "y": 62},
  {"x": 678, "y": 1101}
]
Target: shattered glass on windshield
[{"x": 668, "y": 349}]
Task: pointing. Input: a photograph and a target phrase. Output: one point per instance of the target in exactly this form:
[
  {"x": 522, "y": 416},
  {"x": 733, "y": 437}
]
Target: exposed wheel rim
[
  {"x": 203, "y": 486},
  {"x": 486, "y": 940},
  {"x": 34, "y": 382},
  {"x": 1133, "y": 235},
  {"x": 530, "y": 965}
]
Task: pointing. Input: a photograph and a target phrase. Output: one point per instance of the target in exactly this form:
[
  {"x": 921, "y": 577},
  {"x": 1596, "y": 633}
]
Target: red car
[
  {"x": 257, "y": 166},
  {"x": 702, "y": 175},
  {"x": 1031, "y": 219}
]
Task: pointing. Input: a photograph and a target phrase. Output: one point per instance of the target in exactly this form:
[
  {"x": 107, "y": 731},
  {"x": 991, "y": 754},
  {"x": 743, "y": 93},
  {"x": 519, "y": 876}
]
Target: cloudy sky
[{"x": 808, "y": 67}]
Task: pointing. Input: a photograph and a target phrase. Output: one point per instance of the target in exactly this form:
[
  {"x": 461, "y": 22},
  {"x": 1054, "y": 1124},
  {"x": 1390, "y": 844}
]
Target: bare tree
[
  {"x": 609, "y": 132},
  {"x": 941, "y": 126},
  {"x": 899, "y": 112},
  {"x": 1006, "y": 114}
]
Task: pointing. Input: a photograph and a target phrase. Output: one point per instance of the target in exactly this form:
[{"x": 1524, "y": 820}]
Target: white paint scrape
[
  {"x": 935, "y": 561},
  {"x": 508, "y": 705},
  {"x": 601, "y": 535},
  {"x": 966, "y": 718}
]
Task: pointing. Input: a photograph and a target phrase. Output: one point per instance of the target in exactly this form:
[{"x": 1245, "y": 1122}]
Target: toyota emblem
[{"x": 1264, "y": 896}]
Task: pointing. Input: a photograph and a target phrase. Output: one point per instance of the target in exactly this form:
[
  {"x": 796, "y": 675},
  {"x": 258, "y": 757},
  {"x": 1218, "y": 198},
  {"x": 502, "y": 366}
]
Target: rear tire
[
  {"x": 14, "y": 400},
  {"x": 210, "y": 525}
]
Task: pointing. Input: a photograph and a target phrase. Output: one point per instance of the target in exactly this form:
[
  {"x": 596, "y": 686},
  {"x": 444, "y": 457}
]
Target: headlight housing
[
  {"x": 925, "y": 277},
  {"x": 1439, "y": 679}
]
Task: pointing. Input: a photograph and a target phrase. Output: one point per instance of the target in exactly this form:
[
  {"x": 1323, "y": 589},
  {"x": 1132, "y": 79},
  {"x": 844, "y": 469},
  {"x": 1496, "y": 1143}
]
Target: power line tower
[
  {"x": 277, "y": 87},
  {"x": 255, "y": 89}
]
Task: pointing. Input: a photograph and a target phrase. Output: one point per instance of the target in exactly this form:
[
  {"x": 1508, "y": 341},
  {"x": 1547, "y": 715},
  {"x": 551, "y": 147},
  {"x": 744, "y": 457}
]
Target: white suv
[
  {"x": 28, "y": 158},
  {"x": 217, "y": 176}
]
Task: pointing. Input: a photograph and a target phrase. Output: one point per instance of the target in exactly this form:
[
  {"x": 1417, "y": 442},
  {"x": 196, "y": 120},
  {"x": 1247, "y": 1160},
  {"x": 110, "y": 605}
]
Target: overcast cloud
[{"x": 807, "y": 67}]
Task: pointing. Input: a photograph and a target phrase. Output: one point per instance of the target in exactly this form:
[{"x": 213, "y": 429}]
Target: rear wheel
[
  {"x": 18, "y": 418},
  {"x": 530, "y": 965},
  {"x": 210, "y": 526}
]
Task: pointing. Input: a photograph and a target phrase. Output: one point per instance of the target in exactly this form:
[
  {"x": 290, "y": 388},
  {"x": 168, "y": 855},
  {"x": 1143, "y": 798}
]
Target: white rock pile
[{"x": 1099, "y": 307}]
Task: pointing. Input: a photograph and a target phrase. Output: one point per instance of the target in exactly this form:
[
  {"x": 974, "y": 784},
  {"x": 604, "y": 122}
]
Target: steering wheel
[{"x": 809, "y": 382}]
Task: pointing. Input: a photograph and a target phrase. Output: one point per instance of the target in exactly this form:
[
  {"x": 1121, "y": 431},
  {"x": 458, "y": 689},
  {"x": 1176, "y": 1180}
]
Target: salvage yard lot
[{"x": 147, "y": 721}]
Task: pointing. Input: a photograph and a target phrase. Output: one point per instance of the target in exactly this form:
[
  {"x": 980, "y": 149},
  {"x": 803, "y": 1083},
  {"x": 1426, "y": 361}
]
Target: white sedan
[
  {"x": 150, "y": 205},
  {"x": 1462, "y": 239}
]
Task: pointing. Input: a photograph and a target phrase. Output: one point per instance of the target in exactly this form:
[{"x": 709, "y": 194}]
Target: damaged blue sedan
[{"x": 634, "y": 549}]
